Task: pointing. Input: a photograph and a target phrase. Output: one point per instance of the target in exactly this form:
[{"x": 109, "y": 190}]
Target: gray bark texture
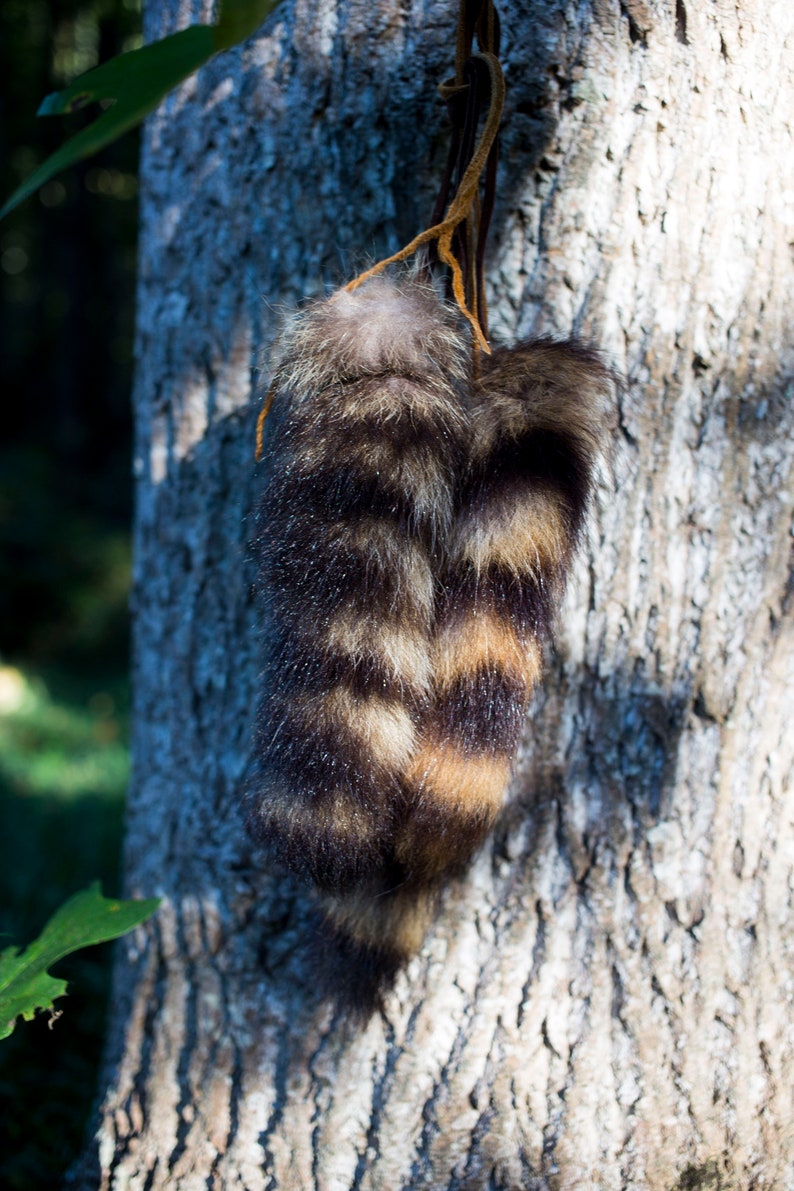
[{"x": 606, "y": 999}]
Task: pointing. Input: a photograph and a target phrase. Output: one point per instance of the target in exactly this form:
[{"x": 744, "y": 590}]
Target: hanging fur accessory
[
  {"x": 368, "y": 435},
  {"x": 415, "y": 538},
  {"x": 424, "y": 502},
  {"x": 537, "y": 424}
]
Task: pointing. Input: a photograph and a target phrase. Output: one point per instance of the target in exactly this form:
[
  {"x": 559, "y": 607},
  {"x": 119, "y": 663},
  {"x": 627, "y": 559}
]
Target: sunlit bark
[{"x": 607, "y": 998}]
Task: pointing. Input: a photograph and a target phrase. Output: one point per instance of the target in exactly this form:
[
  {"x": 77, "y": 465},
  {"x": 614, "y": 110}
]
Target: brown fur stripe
[
  {"x": 367, "y": 567},
  {"x": 476, "y": 639},
  {"x": 456, "y": 796},
  {"x": 523, "y": 532},
  {"x": 368, "y": 935},
  {"x": 398, "y": 469},
  {"x": 454, "y": 779},
  {"x": 320, "y": 831},
  {"x": 379, "y": 917}
]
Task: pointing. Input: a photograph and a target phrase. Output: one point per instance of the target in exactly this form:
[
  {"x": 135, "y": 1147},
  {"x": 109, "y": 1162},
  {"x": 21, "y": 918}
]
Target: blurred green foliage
[
  {"x": 63, "y": 772},
  {"x": 125, "y": 88},
  {"x": 70, "y": 750},
  {"x": 67, "y": 275},
  {"x": 67, "y": 269}
]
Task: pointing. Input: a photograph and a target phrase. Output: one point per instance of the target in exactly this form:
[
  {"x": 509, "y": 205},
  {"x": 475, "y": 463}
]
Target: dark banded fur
[
  {"x": 364, "y": 442},
  {"x": 415, "y": 536},
  {"x": 369, "y": 934},
  {"x": 539, "y": 417}
]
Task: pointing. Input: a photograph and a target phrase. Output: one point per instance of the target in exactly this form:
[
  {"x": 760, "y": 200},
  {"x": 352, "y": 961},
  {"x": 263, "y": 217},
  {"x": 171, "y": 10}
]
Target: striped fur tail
[
  {"x": 539, "y": 417},
  {"x": 365, "y": 440},
  {"x": 415, "y": 536}
]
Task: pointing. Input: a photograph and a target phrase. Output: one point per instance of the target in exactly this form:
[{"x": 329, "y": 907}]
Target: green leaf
[
  {"x": 239, "y": 19},
  {"x": 84, "y": 920},
  {"x": 135, "y": 83}
]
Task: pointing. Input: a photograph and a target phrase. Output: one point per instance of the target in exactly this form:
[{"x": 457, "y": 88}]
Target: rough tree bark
[{"x": 607, "y": 998}]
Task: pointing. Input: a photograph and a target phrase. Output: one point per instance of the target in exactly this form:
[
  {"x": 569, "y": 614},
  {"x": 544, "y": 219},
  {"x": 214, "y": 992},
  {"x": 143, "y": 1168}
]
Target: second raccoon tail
[{"x": 539, "y": 418}]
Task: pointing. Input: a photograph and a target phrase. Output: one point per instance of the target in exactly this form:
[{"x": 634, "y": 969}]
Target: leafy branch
[{"x": 134, "y": 84}]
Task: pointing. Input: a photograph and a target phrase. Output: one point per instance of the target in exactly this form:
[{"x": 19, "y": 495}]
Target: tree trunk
[{"x": 606, "y": 999}]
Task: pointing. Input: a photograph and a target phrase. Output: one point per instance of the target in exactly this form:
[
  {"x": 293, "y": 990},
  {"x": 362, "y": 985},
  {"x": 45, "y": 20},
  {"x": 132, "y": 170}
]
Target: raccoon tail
[
  {"x": 364, "y": 442},
  {"x": 539, "y": 420}
]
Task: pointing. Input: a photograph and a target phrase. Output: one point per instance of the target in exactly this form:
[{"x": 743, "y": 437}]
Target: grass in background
[{"x": 63, "y": 773}]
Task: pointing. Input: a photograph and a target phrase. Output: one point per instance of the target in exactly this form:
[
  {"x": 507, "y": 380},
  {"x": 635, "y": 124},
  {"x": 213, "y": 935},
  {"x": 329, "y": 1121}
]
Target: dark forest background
[{"x": 67, "y": 275}]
